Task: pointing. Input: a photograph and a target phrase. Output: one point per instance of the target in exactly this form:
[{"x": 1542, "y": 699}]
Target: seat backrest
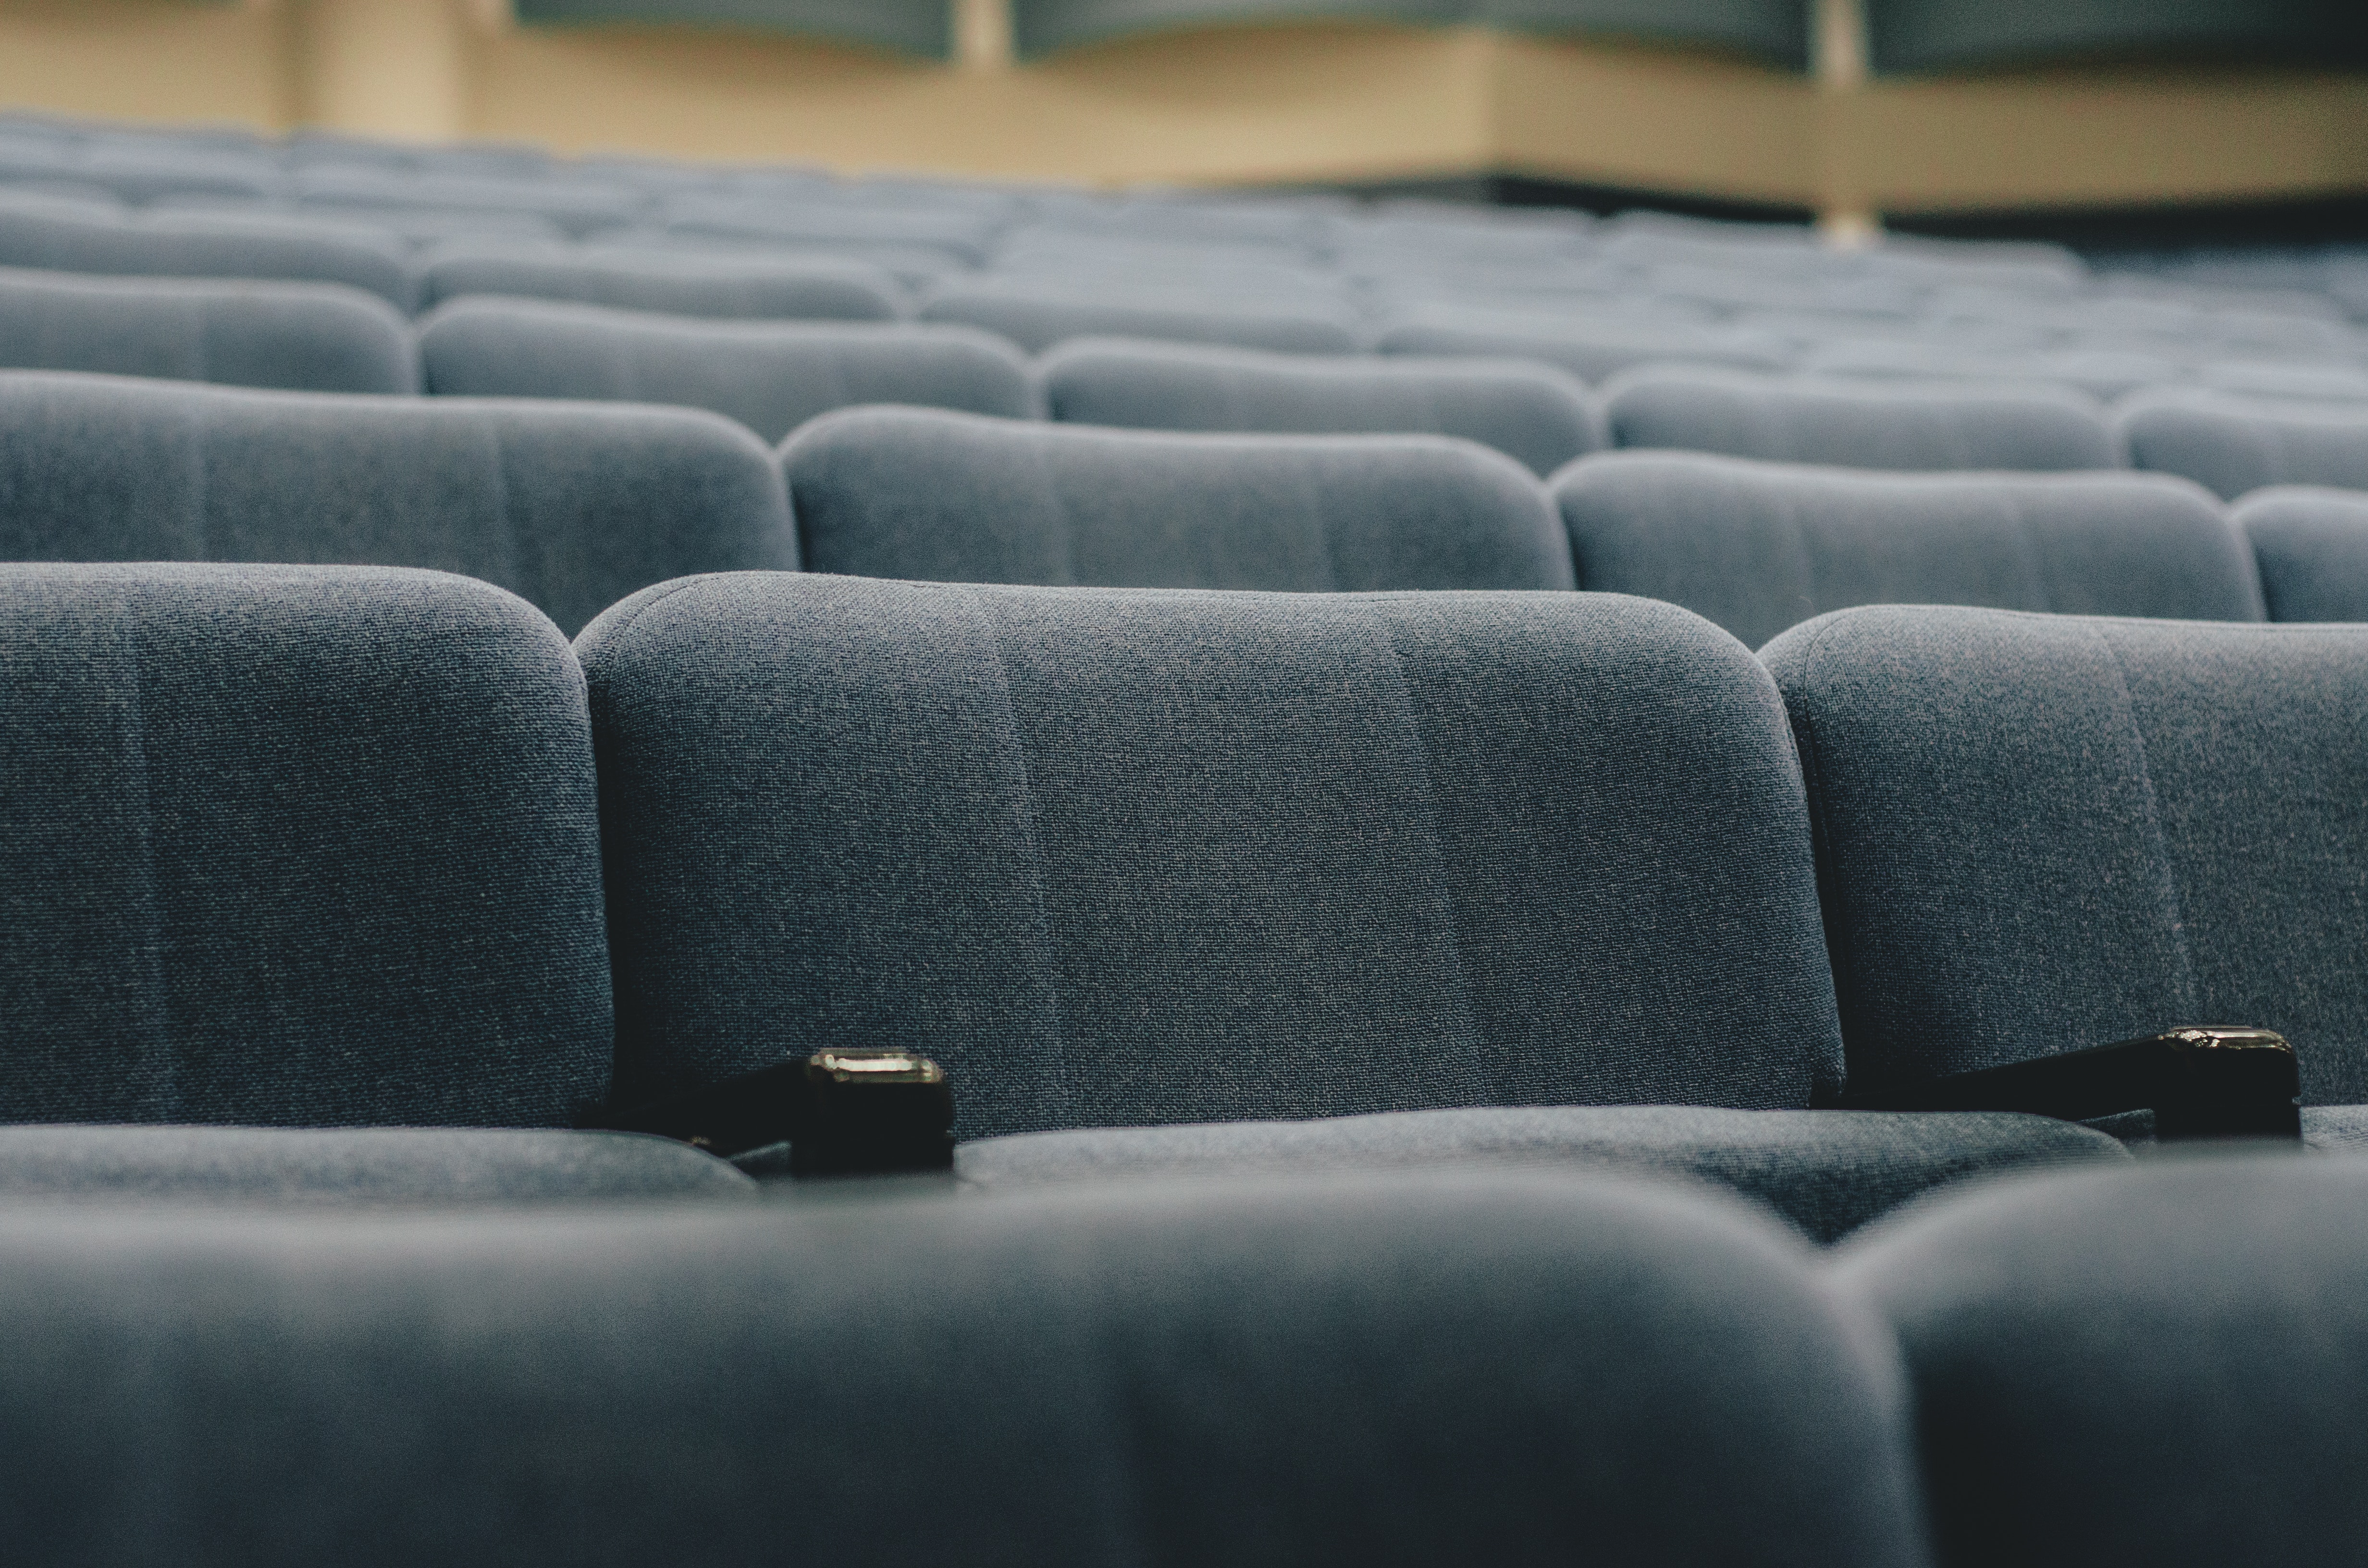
[
  {"x": 1038, "y": 314},
  {"x": 571, "y": 507},
  {"x": 1592, "y": 347},
  {"x": 1757, "y": 547},
  {"x": 732, "y": 287},
  {"x": 298, "y": 336},
  {"x": 948, "y": 497},
  {"x": 1533, "y": 412},
  {"x": 76, "y": 237},
  {"x": 771, "y": 376},
  {"x": 2037, "y": 833},
  {"x": 1888, "y": 425},
  {"x": 2311, "y": 545},
  {"x": 2232, "y": 445},
  {"x": 1136, "y": 857},
  {"x": 295, "y": 847}
]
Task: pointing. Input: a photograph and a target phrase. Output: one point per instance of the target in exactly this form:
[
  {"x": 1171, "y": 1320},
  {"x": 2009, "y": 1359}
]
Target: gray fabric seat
[
  {"x": 571, "y": 507},
  {"x": 2233, "y": 446},
  {"x": 1245, "y": 1373},
  {"x": 1533, "y": 412},
  {"x": 350, "y": 1168},
  {"x": 1036, "y": 315},
  {"x": 683, "y": 286},
  {"x": 2156, "y": 1366},
  {"x": 1127, "y": 859},
  {"x": 75, "y": 237},
  {"x": 2038, "y": 832},
  {"x": 1758, "y": 547},
  {"x": 295, "y": 847},
  {"x": 1886, "y": 425},
  {"x": 298, "y": 336},
  {"x": 1591, "y": 347},
  {"x": 2312, "y": 547},
  {"x": 949, "y": 497},
  {"x": 580, "y": 207},
  {"x": 771, "y": 376}
]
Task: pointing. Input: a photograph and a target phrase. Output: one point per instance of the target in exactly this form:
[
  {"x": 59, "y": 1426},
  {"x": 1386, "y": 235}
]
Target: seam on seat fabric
[
  {"x": 1403, "y": 699},
  {"x": 2167, "y": 874},
  {"x": 616, "y": 638},
  {"x": 1048, "y": 969}
]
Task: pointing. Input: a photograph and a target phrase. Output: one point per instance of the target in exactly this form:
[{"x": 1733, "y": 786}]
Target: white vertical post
[
  {"x": 981, "y": 34},
  {"x": 393, "y": 68},
  {"x": 1838, "y": 45}
]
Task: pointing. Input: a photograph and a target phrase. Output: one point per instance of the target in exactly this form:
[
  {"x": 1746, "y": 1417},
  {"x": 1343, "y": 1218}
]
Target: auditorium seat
[
  {"x": 1532, "y": 412},
  {"x": 955, "y": 239},
  {"x": 772, "y": 376},
  {"x": 300, "y": 336},
  {"x": 570, "y": 507},
  {"x": 1880, "y": 424},
  {"x": 1484, "y": 1368},
  {"x": 2312, "y": 547},
  {"x": 2039, "y": 833},
  {"x": 2100, "y": 373},
  {"x": 950, "y": 497},
  {"x": 1125, "y": 859},
  {"x": 298, "y": 848},
  {"x": 1757, "y": 547},
  {"x": 725, "y": 286},
  {"x": 1592, "y": 347},
  {"x": 2233, "y": 444},
  {"x": 77, "y": 237},
  {"x": 580, "y": 207},
  {"x": 1036, "y": 314},
  {"x": 2151, "y": 1368}
]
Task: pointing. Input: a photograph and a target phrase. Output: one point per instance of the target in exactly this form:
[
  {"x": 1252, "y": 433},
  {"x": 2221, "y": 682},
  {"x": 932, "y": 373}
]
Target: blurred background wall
[{"x": 1904, "y": 109}]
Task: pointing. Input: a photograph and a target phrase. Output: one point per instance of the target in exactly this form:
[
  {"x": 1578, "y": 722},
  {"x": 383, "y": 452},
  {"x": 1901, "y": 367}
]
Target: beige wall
[{"x": 1311, "y": 102}]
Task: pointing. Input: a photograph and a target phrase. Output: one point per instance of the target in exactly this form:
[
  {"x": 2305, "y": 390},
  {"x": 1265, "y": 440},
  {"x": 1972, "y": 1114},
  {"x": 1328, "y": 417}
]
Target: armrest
[
  {"x": 842, "y": 1113},
  {"x": 2200, "y": 1082}
]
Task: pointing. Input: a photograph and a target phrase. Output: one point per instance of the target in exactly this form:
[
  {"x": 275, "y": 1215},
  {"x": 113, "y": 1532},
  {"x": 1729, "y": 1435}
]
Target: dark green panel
[
  {"x": 1039, "y": 27},
  {"x": 1935, "y": 35},
  {"x": 1773, "y": 30},
  {"x": 910, "y": 26},
  {"x": 1770, "y": 29}
]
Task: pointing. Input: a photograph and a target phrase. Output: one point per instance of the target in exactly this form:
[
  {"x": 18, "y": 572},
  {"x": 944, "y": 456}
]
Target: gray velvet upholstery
[
  {"x": 1036, "y": 315},
  {"x": 1312, "y": 1374},
  {"x": 1532, "y": 412},
  {"x": 571, "y": 507},
  {"x": 578, "y": 206},
  {"x": 2312, "y": 547},
  {"x": 1883, "y": 425},
  {"x": 354, "y": 1168},
  {"x": 2150, "y": 1367},
  {"x": 1592, "y": 347},
  {"x": 69, "y": 237},
  {"x": 771, "y": 376},
  {"x": 732, "y": 287},
  {"x": 300, "y": 336},
  {"x": 2233, "y": 444},
  {"x": 954, "y": 498},
  {"x": 1134, "y": 857},
  {"x": 1826, "y": 1172},
  {"x": 295, "y": 847},
  {"x": 1758, "y": 547},
  {"x": 2037, "y": 833}
]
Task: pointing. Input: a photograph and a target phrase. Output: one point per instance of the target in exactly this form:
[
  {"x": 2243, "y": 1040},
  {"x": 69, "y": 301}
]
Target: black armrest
[
  {"x": 842, "y": 1113},
  {"x": 2200, "y": 1082}
]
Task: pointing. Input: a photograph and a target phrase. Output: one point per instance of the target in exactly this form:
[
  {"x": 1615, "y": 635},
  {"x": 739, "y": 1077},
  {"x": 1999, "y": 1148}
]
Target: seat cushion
[
  {"x": 1828, "y": 1172},
  {"x": 349, "y": 1168}
]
